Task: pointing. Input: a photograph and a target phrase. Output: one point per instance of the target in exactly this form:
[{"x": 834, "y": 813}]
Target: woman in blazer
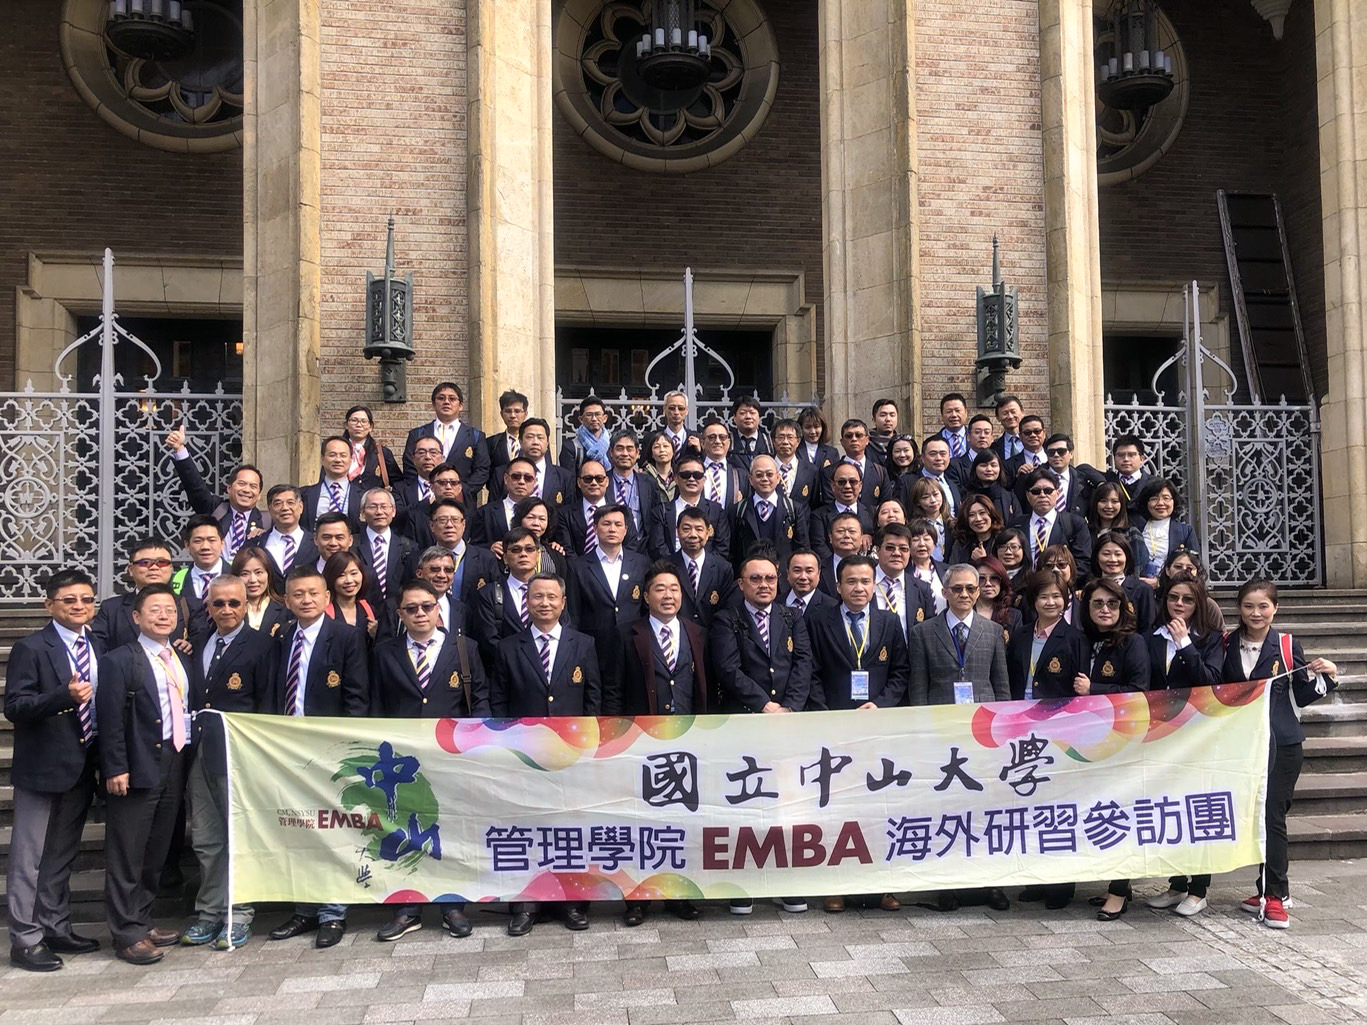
[
  {"x": 996, "y": 600},
  {"x": 1113, "y": 559},
  {"x": 1162, "y": 532},
  {"x": 266, "y": 612},
  {"x": 539, "y": 516},
  {"x": 985, "y": 478},
  {"x": 1120, "y": 662},
  {"x": 372, "y": 465},
  {"x": 1107, "y": 511},
  {"x": 1253, "y": 652}
]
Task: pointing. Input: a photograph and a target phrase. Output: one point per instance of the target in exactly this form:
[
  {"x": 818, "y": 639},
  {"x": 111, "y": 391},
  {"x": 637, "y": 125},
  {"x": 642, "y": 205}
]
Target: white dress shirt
[{"x": 310, "y": 639}]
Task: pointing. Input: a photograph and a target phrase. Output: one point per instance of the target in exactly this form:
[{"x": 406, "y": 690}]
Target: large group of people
[{"x": 731, "y": 567}]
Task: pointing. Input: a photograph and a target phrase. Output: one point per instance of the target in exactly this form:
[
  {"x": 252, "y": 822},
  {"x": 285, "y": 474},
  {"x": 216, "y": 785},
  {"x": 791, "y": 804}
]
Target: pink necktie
[{"x": 175, "y": 691}]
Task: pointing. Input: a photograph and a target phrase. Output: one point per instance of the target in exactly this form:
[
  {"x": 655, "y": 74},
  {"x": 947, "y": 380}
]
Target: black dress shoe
[
  {"x": 1110, "y": 916},
  {"x": 456, "y": 923},
  {"x": 1030, "y": 894},
  {"x": 37, "y": 958},
  {"x": 684, "y": 909},
  {"x": 400, "y": 925},
  {"x": 521, "y": 922},
  {"x": 296, "y": 925},
  {"x": 635, "y": 915},
  {"x": 71, "y": 944},
  {"x": 996, "y": 899},
  {"x": 947, "y": 901},
  {"x": 329, "y": 934},
  {"x": 1057, "y": 903},
  {"x": 576, "y": 919}
]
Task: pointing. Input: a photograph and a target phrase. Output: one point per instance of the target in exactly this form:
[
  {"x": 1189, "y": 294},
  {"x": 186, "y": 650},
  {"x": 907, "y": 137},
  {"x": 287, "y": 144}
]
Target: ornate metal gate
[
  {"x": 1250, "y": 473},
  {"x": 82, "y": 473}
]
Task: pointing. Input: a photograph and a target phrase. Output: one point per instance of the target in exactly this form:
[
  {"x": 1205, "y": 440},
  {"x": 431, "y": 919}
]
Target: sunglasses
[
  {"x": 522, "y": 477},
  {"x": 597, "y": 478},
  {"x": 1058, "y": 451},
  {"x": 1042, "y": 491},
  {"x": 683, "y": 475},
  {"x": 226, "y": 603},
  {"x": 72, "y": 600},
  {"x": 414, "y": 609},
  {"x": 151, "y": 563},
  {"x": 962, "y": 588}
]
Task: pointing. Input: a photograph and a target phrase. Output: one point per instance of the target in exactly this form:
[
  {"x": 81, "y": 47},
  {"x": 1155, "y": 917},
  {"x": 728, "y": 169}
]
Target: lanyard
[
  {"x": 960, "y": 649},
  {"x": 859, "y": 649}
]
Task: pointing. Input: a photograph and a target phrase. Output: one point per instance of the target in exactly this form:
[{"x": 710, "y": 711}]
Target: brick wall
[
  {"x": 760, "y": 209},
  {"x": 981, "y": 171},
  {"x": 1250, "y": 127},
  {"x": 68, "y": 181},
  {"x": 394, "y": 142}
]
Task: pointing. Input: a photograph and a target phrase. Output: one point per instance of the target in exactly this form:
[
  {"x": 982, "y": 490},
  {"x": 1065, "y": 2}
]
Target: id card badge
[
  {"x": 859, "y": 684},
  {"x": 963, "y": 692},
  {"x": 189, "y": 730}
]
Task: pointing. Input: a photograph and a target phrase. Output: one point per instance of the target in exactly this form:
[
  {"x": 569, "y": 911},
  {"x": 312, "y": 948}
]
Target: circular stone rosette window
[
  {"x": 192, "y": 104},
  {"x": 600, "y": 92}
]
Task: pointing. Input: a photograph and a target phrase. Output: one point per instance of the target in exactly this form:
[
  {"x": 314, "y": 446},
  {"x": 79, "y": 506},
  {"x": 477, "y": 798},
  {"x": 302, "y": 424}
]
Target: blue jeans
[{"x": 323, "y": 912}]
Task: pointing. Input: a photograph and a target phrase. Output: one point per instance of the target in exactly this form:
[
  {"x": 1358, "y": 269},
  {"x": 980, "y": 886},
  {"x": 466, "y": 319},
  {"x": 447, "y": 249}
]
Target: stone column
[
  {"x": 1341, "y": 56},
  {"x": 281, "y": 265},
  {"x": 1072, "y": 246},
  {"x": 868, "y": 181},
  {"x": 512, "y": 265}
]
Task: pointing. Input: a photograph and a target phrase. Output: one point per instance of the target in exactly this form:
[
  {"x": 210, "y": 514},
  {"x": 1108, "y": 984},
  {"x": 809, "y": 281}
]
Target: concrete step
[
  {"x": 1331, "y": 793},
  {"x": 1322, "y": 837},
  {"x": 1326, "y": 719},
  {"x": 1334, "y": 755},
  {"x": 90, "y": 855}
]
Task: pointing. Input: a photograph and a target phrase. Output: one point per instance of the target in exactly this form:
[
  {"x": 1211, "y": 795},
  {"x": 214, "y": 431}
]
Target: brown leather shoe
[
  {"x": 142, "y": 952},
  {"x": 163, "y": 937},
  {"x": 889, "y": 903},
  {"x": 834, "y": 905}
]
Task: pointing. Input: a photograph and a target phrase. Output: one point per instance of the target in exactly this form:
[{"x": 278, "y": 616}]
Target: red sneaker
[
  {"x": 1275, "y": 916},
  {"x": 1253, "y": 905}
]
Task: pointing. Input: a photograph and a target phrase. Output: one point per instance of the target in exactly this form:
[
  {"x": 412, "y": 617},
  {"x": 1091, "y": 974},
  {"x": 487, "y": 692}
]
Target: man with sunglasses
[
  {"x": 1046, "y": 524},
  {"x": 492, "y": 520},
  {"x": 149, "y": 562},
  {"x": 49, "y": 696},
  {"x": 1028, "y": 456},
  {"x": 427, "y": 672},
  {"x": 1075, "y": 483},
  {"x": 229, "y": 672},
  {"x": 663, "y": 535},
  {"x": 575, "y": 526}
]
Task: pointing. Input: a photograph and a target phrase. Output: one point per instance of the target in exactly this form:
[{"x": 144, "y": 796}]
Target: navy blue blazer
[
  {"x": 594, "y": 610},
  {"x": 458, "y": 687},
  {"x": 751, "y": 676},
  {"x": 1286, "y": 728},
  {"x": 875, "y": 481},
  {"x": 833, "y": 659},
  {"x": 476, "y": 569},
  {"x": 1199, "y": 664},
  {"x": 1064, "y": 655},
  {"x": 664, "y": 526},
  {"x": 716, "y": 589},
  {"x": 819, "y": 526},
  {"x": 806, "y": 484},
  {"x": 488, "y": 525},
  {"x": 469, "y": 455},
  {"x": 789, "y": 529},
  {"x": 203, "y": 501},
  {"x": 240, "y": 682},
  {"x": 1181, "y": 536},
  {"x": 311, "y": 494},
  {"x": 128, "y": 713},
  {"x": 1119, "y": 667},
  {"x": 1069, "y": 529},
  {"x": 400, "y": 566},
  {"x": 338, "y": 682},
  {"x": 825, "y": 455},
  {"x": 572, "y": 527},
  {"x": 519, "y": 688},
  {"x": 48, "y": 754},
  {"x": 494, "y": 617},
  {"x": 630, "y": 689}
]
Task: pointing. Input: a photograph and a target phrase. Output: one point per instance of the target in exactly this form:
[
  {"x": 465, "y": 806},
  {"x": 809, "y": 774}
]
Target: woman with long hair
[
  {"x": 538, "y": 516},
  {"x": 975, "y": 526},
  {"x": 924, "y": 500},
  {"x": 266, "y": 612},
  {"x": 372, "y": 464},
  {"x": 1113, "y": 559},
  {"x": 996, "y": 600},
  {"x": 815, "y": 447},
  {"x": 1009, "y": 548},
  {"x": 904, "y": 457},
  {"x": 987, "y": 478},
  {"x": 348, "y": 579},
  {"x": 1161, "y": 527},
  {"x": 1186, "y": 563},
  {"x": 1107, "y": 511}
]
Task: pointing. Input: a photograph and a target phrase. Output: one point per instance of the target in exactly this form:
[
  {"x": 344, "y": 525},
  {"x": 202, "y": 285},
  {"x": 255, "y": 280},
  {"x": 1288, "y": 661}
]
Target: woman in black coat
[
  {"x": 372, "y": 465},
  {"x": 1120, "y": 662},
  {"x": 1113, "y": 558},
  {"x": 1163, "y": 533},
  {"x": 1254, "y": 652},
  {"x": 985, "y": 478}
]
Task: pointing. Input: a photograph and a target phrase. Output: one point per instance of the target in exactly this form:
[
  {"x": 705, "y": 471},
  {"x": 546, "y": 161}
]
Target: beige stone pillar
[
  {"x": 281, "y": 266},
  {"x": 1072, "y": 246},
  {"x": 1341, "y": 58},
  {"x": 512, "y": 265},
  {"x": 868, "y": 182}
]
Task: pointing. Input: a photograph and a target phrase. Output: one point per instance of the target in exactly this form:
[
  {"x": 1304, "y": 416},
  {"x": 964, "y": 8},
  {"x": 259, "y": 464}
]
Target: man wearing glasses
[
  {"x": 591, "y": 440},
  {"x": 390, "y": 557},
  {"x": 492, "y": 520},
  {"x": 471, "y": 567},
  {"x": 1028, "y": 456},
  {"x": 149, "y": 562},
  {"x": 1046, "y": 524},
  {"x": 229, "y": 672},
  {"x": 1075, "y": 483},
  {"x": 959, "y": 658},
  {"x": 577, "y": 535},
  {"x": 662, "y": 536},
  {"x": 427, "y": 673},
  {"x": 461, "y": 445},
  {"x": 49, "y": 696}
]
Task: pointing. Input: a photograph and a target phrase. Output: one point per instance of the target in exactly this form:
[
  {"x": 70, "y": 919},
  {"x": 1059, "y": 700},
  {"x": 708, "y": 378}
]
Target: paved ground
[{"x": 863, "y": 968}]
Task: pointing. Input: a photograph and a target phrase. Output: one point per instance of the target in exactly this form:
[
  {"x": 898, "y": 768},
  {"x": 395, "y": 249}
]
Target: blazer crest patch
[
  {"x": 806, "y": 490},
  {"x": 877, "y": 490},
  {"x": 469, "y": 452},
  {"x": 481, "y": 583},
  {"x": 454, "y": 682},
  {"x": 275, "y": 629},
  {"x": 790, "y": 532},
  {"x": 559, "y": 498},
  {"x": 1055, "y": 666},
  {"x": 578, "y": 675},
  {"x": 334, "y": 679},
  {"x": 714, "y": 598},
  {"x": 1276, "y": 667},
  {"x": 1107, "y": 669},
  {"x": 636, "y": 593},
  {"x": 235, "y": 682},
  {"x": 882, "y": 654},
  {"x": 790, "y": 643},
  {"x": 920, "y": 615}
]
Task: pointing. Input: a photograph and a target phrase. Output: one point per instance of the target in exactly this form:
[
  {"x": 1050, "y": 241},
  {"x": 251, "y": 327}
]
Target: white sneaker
[
  {"x": 1191, "y": 906},
  {"x": 742, "y": 907},
  {"x": 1169, "y": 899},
  {"x": 792, "y": 905}
]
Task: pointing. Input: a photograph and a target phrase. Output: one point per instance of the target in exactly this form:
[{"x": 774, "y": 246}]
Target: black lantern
[
  {"x": 155, "y": 30},
  {"x": 389, "y": 325},
  {"x": 672, "y": 55},
  {"x": 1137, "y": 73},
  {"x": 999, "y": 347}
]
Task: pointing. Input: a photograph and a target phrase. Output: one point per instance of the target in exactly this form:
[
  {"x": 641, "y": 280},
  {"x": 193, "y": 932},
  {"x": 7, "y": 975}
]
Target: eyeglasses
[
  {"x": 521, "y": 550},
  {"x": 1058, "y": 450},
  {"x": 358, "y": 419},
  {"x": 597, "y": 478},
  {"x": 1104, "y": 605},
  {"x": 1042, "y": 491},
  {"x": 72, "y": 600},
  {"x": 683, "y": 475},
  {"x": 714, "y": 437},
  {"x": 414, "y": 609},
  {"x": 1032, "y": 430},
  {"x": 756, "y": 578},
  {"x": 522, "y": 477},
  {"x": 962, "y": 588},
  {"x": 444, "y": 521},
  {"x": 226, "y": 603},
  {"x": 896, "y": 549},
  {"x": 445, "y": 481},
  {"x": 439, "y": 571},
  {"x": 151, "y": 563}
]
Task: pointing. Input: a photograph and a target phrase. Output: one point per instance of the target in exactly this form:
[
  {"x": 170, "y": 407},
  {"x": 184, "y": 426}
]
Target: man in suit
[
  {"x": 473, "y": 566},
  {"x": 662, "y": 538},
  {"x": 935, "y": 460},
  {"x": 320, "y": 670},
  {"x": 546, "y": 669},
  {"x": 797, "y": 478},
  {"x": 804, "y": 580},
  {"x": 591, "y": 440},
  {"x": 635, "y": 491},
  {"x": 660, "y": 669},
  {"x": 709, "y": 585},
  {"x": 427, "y": 672},
  {"x": 1010, "y": 412},
  {"x": 909, "y": 600},
  {"x": 605, "y": 585},
  {"x": 203, "y": 539},
  {"x": 230, "y": 671},
  {"x": 335, "y": 491},
  {"x": 236, "y": 510},
  {"x": 1045, "y": 525},
  {"x": 286, "y": 542},
  {"x": 552, "y": 483},
  {"x": 873, "y": 478},
  {"x": 461, "y": 445},
  {"x": 49, "y": 696},
  {"x": 748, "y": 438},
  {"x": 331, "y": 534},
  {"x": 142, "y": 713},
  {"x": 1075, "y": 483},
  {"x": 504, "y": 446},
  {"x": 845, "y": 538},
  {"x": 412, "y": 494},
  {"x": 884, "y": 427},
  {"x": 577, "y": 535},
  {"x": 954, "y": 418},
  {"x": 149, "y": 563},
  {"x": 761, "y": 657},
  {"x": 436, "y": 567},
  {"x": 1028, "y": 457},
  {"x": 492, "y": 520},
  {"x": 859, "y": 661},
  {"x": 388, "y": 557},
  {"x": 1127, "y": 462},
  {"x": 724, "y": 480},
  {"x": 501, "y": 606},
  {"x": 959, "y": 657},
  {"x": 443, "y": 485},
  {"x": 676, "y": 423},
  {"x": 768, "y": 514},
  {"x": 846, "y": 485},
  {"x": 979, "y": 441}
]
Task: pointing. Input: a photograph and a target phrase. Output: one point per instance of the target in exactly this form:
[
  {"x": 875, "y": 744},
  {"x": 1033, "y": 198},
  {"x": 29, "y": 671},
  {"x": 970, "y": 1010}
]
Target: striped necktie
[
  {"x": 420, "y": 663},
  {"x": 956, "y": 444},
  {"x": 667, "y": 647},
  {"x": 290, "y": 552},
  {"x": 292, "y": 675},
  {"x": 86, "y": 710},
  {"x": 335, "y": 496},
  {"x": 692, "y": 575},
  {"x": 1041, "y": 535},
  {"x": 715, "y": 483},
  {"x": 379, "y": 562},
  {"x": 545, "y": 641},
  {"x": 766, "y": 509},
  {"x": 238, "y": 537},
  {"x": 762, "y": 624},
  {"x": 523, "y": 613}
]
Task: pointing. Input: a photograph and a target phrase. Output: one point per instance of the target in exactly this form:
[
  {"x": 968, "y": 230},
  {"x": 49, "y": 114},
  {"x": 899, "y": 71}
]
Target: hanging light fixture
[
  {"x": 671, "y": 55},
  {"x": 155, "y": 30},
  {"x": 1137, "y": 73}
]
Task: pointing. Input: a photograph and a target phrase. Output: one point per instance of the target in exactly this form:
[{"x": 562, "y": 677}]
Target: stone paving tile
[
  {"x": 624, "y": 998},
  {"x": 1265, "y": 995},
  {"x": 834, "y": 987},
  {"x": 859, "y": 968},
  {"x": 968, "y": 1014},
  {"x": 826, "y": 952},
  {"x": 1020, "y": 973},
  {"x": 1136, "y": 1003},
  {"x": 365, "y": 997},
  {"x": 1120, "y": 1019},
  {"x": 862, "y": 1018},
  {"x": 1014, "y": 958},
  {"x": 684, "y": 995},
  {"x": 231, "y": 1019},
  {"x": 331, "y": 983},
  {"x": 145, "y": 1012},
  {"x": 888, "y": 1000},
  {"x": 58, "y": 1015},
  {"x": 263, "y": 1002},
  {"x": 378, "y": 1014},
  {"x": 954, "y": 995},
  {"x": 783, "y": 1006},
  {"x": 673, "y": 1014},
  {"x": 349, "y": 1015},
  {"x": 1303, "y": 1014},
  {"x": 1111, "y": 966},
  {"x": 895, "y": 949},
  {"x": 721, "y": 959},
  {"x": 474, "y": 990},
  {"x": 756, "y": 943},
  {"x": 1167, "y": 983},
  {"x": 765, "y": 973},
  {"x": 1047, "y": 1010}
]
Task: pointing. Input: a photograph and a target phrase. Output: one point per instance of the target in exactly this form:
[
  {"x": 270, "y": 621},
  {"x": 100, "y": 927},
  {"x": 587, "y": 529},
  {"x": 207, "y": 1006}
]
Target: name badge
[
  {"x": 189, "y": 730},
  {"x": 963, "y": 692},
  {"x": 859, "y": 684}
]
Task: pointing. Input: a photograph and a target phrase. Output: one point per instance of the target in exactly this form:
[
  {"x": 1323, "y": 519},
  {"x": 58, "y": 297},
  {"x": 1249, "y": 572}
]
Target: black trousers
[
  {"x": 138, "y": 829},
  {"x": 1283, "y": 770}
]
